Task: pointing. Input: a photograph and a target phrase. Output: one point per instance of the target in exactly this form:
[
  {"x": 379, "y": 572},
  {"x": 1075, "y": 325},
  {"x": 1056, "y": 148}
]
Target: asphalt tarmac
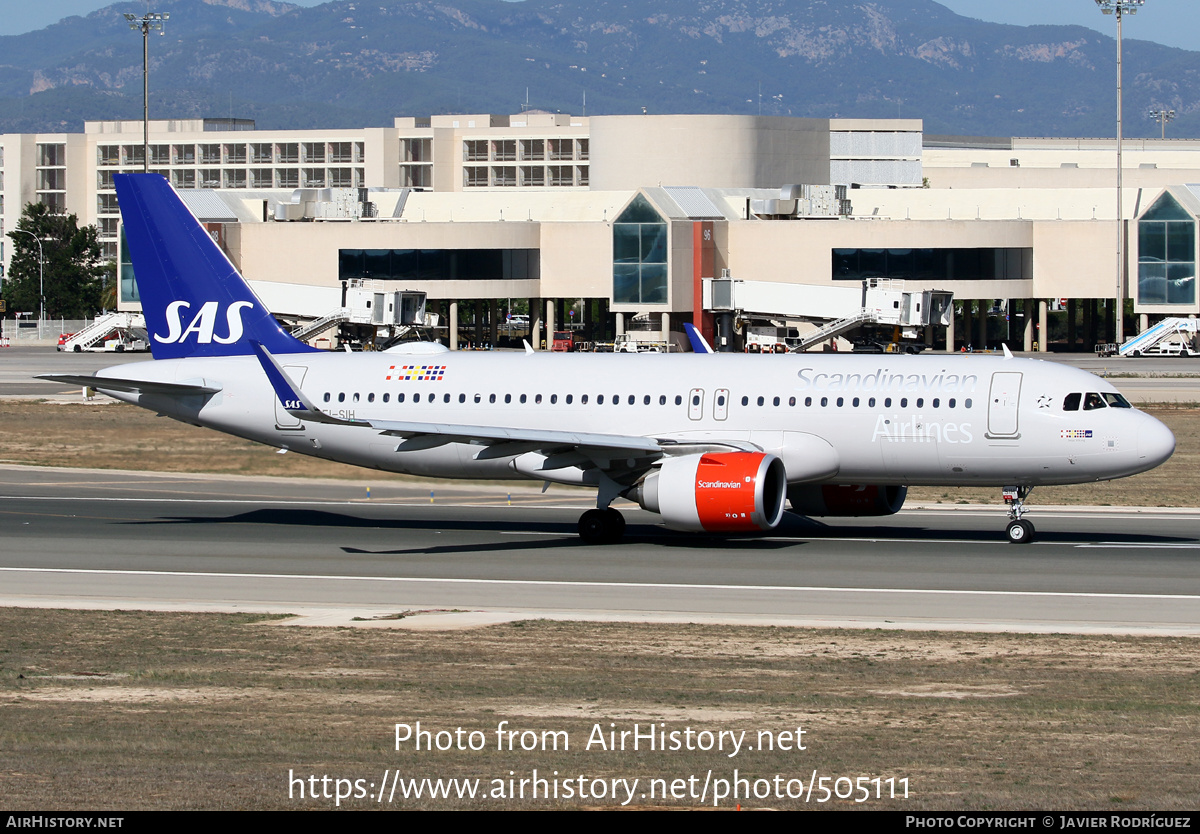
[
  {"x": 327, "y": 550},
  {"x": 324, "y": 549}
]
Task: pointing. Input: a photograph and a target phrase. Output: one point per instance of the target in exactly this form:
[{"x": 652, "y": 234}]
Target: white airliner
[{"x": 714, "y": 442}]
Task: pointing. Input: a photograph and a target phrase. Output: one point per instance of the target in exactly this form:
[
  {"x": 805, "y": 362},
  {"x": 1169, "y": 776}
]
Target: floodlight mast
[
  {"x": 1120, "y": 8},
  {"x": 1162, "y": 117},
  {"x": 151, "y": 21}
]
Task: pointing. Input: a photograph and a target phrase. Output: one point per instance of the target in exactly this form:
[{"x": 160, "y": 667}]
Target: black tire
[
  {"x": 1020, "y": 532},
  {"x": 601, "y": 526},
  {"x": 78, "y": 349},
  {"x": 593, "y": 526},
  {"x": 616, "y": 526}
]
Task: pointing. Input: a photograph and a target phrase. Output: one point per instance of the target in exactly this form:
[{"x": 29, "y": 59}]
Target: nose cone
[{"x": 1156, "y": 443}]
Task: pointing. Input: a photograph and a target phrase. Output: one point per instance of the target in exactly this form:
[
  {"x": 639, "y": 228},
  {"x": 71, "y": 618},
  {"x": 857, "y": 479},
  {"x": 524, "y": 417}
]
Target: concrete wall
[{"x": 710, "y": 151}]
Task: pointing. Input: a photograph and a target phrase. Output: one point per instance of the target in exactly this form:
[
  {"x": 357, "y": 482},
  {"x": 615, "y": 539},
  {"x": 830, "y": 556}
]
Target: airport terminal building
[{"x": 618, "y": 220}]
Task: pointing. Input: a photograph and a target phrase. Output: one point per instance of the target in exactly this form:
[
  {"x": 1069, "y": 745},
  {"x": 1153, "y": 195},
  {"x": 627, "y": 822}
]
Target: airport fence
[{"x": 28, "y": 332}]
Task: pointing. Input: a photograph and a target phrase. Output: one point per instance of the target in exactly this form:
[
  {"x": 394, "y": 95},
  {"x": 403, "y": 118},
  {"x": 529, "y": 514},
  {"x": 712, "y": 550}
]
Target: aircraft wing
[
  {"x": 419, "y": 435},
  {"x": 541, "y": 437},
  {"x": 132, "y": 386}
]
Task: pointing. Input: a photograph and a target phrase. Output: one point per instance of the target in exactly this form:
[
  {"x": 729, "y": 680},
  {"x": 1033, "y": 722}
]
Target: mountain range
[{"x": 356, "y": 64}]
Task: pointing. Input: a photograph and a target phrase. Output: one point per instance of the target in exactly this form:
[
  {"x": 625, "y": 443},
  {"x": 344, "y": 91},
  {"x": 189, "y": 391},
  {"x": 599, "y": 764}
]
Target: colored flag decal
[
  {"x": 416, "y": 373},
  {"x": 1075, "y": 434}
]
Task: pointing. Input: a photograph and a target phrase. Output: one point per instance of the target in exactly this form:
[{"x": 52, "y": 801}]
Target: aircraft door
[
  {"x": 696, "y": 404},
  {"x": 721, "y": 404},
  {"x": 1002, "y": 404},
  {"x": 283, "y": 420}
]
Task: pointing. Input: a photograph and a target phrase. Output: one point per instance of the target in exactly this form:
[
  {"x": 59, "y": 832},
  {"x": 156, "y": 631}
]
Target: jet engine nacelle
[
  {"x": 722, "y": 492},
  {"x": 846, "y": 499}
]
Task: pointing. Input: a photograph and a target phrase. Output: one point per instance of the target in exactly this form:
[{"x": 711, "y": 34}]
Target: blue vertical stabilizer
[{"x": 194, "y": 300}]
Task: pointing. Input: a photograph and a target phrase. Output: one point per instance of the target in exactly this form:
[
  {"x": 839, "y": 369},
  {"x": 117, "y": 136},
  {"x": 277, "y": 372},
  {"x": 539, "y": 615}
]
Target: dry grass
[
  {"x": 1174, "y": 484},
  {"x": 118, "y": 436},
  {"x": 112, "y": 435},
  {"x": 129, "y": 710}
]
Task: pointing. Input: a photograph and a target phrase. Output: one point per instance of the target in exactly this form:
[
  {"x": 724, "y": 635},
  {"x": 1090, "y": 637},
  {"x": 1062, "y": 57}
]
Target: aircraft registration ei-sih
[{"x": 710, "y": 442}]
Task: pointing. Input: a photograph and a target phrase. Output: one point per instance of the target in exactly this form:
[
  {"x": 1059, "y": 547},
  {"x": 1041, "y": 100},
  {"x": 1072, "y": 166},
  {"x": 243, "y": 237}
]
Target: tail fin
[
  {"x": 699, "y": 343},
  {"x": 194, "y": 300}
]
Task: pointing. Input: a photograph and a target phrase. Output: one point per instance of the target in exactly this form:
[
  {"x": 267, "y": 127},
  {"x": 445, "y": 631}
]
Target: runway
[{"x": 140, "y": 540}]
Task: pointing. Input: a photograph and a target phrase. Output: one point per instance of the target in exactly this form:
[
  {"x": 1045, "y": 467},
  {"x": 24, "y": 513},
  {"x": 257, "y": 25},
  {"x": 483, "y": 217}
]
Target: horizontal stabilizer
[{"x": 131, "y": 386}]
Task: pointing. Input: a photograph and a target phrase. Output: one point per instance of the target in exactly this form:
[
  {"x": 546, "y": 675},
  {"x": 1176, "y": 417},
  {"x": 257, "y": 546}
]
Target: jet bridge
[
  {"x": 372, "y": 305},
  {"x": 835, "y": 309}
]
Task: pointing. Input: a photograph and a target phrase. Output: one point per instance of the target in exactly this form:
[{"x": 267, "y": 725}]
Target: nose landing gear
[{"x": 1019, "y": 531}]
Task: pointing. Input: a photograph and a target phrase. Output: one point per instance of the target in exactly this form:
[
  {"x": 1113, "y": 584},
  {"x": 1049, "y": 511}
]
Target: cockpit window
[
  {"x": 1116, "y": 401},
  {"x": 1092, "y": 401},
  {"x": 1071, "y": 402}
]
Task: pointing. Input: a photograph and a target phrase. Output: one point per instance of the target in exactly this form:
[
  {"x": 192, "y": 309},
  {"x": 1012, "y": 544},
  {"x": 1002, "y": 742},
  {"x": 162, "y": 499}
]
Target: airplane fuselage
[{"x": 934, "y": 420}]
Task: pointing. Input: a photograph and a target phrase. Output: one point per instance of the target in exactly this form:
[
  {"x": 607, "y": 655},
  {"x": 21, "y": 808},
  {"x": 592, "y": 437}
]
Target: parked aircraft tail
[
  {"x": 194, "y": 300},
  {"x": 699, "y": 343}
]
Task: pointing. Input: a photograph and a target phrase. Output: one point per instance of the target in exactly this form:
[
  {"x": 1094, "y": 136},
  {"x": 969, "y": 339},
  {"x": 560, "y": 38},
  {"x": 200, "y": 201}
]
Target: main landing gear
[
  {"x": 1019, "y": 530},
  {"x": 602, "y": 526}
]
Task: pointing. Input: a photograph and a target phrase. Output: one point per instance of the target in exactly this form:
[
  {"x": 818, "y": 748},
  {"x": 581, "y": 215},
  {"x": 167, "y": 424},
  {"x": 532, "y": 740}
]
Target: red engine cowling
[
  {"x": 726, "y": 492},
  {"x": 846, "y": 499}
]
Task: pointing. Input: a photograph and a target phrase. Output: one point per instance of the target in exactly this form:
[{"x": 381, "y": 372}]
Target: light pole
[
  {"x": 41, "y": 277},
  {"x": 151, "y": 21},
  {"x": 1120, "y": 8},
  {"x": 1162, "y": 117}
]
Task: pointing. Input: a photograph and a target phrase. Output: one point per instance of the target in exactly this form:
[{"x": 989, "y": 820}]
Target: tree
[{"x": 72, "y": 266}]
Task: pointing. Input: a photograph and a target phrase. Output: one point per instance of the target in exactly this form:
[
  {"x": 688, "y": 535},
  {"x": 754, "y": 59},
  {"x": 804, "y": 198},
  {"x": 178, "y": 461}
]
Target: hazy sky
[{"x": 1173, "y": 22}]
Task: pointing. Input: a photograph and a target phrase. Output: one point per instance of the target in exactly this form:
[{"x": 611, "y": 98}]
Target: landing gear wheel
[
  {"x": 616, "y": 526},
  {"x": 1020, "y": 531},
  {"x": 601, "y": 526},
  {"x": 592, "y": 526}
]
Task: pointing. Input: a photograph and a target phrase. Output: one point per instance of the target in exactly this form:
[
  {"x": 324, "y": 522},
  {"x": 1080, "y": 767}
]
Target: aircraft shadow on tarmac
[{"x": 792, "y": 531}]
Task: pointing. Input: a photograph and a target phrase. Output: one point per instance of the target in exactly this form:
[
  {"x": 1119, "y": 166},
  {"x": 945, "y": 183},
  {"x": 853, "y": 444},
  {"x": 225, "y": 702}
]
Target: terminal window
[
  {"x": 1166, "y": 254},
  {"x": 639, "y": 255},
  {"x": 438, "y": 264},
  {"x": 983, "y": 264}
]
